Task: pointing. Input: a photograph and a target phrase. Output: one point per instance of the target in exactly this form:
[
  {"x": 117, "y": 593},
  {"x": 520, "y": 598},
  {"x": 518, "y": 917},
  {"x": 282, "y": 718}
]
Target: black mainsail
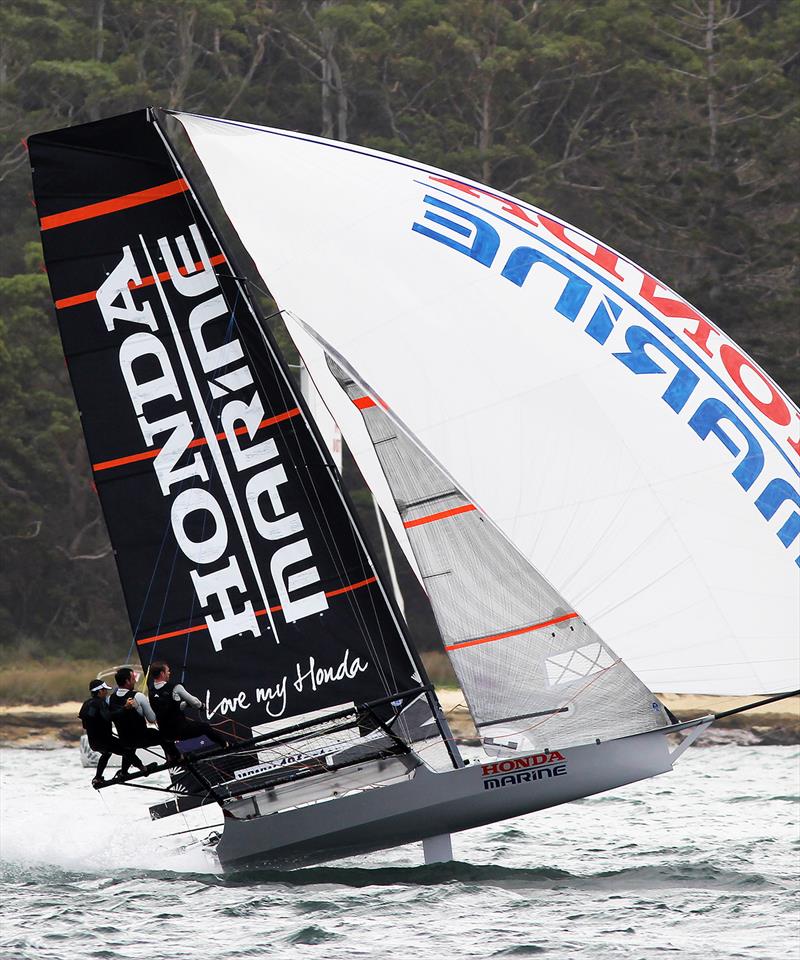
[{"x": 240, "y": 560}]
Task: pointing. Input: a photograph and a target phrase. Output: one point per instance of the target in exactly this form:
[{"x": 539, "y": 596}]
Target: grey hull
[{"x": 431, "y": 804}]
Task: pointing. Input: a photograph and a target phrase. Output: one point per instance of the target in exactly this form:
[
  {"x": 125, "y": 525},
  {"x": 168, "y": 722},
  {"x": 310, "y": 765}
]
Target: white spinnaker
[{"x": 672, "y": 530}]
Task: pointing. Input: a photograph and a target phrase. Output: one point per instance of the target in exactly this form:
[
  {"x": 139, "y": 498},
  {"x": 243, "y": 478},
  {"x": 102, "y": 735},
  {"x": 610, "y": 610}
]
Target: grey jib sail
[{"x": 530, "y": 667}]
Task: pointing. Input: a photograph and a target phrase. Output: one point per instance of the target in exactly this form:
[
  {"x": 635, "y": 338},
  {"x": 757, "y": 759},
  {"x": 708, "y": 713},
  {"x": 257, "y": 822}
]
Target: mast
[
  {"x": 238, "y": 552},
  {"x": 322, "y": 448}
]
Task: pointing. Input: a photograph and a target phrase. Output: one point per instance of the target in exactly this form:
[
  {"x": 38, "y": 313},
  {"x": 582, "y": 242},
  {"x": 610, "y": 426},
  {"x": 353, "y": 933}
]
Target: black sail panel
[{"x": 238, "y": 557}]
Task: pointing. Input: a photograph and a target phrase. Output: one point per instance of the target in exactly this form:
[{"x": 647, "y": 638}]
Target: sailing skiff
[{"x": 538, "y": 417}]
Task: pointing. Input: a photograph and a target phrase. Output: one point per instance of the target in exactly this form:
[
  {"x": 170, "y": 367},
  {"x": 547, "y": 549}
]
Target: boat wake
[{"x": 190, "y": 868}]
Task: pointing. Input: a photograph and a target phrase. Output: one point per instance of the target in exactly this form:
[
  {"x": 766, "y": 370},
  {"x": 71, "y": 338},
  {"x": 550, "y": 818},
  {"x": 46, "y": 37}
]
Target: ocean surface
[{"x": 699, "y": 863}]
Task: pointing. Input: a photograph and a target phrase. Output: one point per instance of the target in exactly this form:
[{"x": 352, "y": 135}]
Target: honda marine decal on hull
[{"x": 537, "y": 766}]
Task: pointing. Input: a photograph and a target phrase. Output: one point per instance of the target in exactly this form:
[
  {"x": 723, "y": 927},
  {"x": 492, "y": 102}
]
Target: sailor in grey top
[
  {"x": 179, "y": 693},
  {"x": 140, "y": 703},
  {"x": 169, "y": 702},
  {"x": 131, "y": 712}
]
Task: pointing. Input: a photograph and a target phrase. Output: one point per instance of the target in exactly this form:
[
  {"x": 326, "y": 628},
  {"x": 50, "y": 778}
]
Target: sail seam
[
  {"x": 104, "y": 207},
  {"x": 512, "y": 633},
  {"x": 210, "y": 434}
]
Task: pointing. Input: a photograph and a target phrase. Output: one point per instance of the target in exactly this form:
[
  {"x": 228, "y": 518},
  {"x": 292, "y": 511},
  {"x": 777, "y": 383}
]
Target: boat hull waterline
[{"x": 435, "y": 804}]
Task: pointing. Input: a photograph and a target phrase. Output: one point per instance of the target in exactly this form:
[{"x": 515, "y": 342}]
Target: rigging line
[
  {"x": 578, "y": 693},
  {"x": 365, "y": 556},
  {"x": 195, "y": 480},
  {"x": 213, "y": 444},
  {"x": 362, "y": 556},
  {"x": 282, "y": 377},
  {"x": 398, "y": 448},
  {"x": 642, "y": 589},
  {"x": 655, "y": 532},
  {"x": 361, "y": 549},
  {"x": 213, "y": 404},
  {"x": 328, "y": 536}
]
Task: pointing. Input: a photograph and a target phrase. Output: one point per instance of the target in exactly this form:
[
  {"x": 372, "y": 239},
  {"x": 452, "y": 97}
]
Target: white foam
[{"x": 50, "y": 815}]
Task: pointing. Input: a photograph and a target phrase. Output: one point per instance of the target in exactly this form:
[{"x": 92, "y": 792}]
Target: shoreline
[
  {"x": 775, "y": 724},
  {"x": 34, "y": 727}
]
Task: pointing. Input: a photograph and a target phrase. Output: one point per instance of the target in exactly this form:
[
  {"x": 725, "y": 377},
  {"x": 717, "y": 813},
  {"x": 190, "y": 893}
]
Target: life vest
[
  {"x": 130, "y": 723},
  {"x": 166, "y": 708},
  {"x": 96, "y": 720}
]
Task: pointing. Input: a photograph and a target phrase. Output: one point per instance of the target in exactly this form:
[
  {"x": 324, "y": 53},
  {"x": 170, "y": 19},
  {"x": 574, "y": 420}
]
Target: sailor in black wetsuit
[
  {"x": 169, "y": 700},
  {"x": 131, "y": 712},
  {"x": 96, "y": 719}
]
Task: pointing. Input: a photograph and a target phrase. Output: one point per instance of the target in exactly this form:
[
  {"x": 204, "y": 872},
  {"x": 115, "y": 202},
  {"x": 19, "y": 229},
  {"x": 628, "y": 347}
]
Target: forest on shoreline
[{"x": 669, "y": 129}]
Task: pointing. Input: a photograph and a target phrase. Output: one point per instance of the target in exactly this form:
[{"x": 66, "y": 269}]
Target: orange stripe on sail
[
  {"x": 258, "y": 613},
  {"x": 105, "y": 207},
  {"x": 364, "y": 403},
  {"x": 146, "y": 282},
  {"x": 76, "y": 300},
  {"x": 172, "y": 633},
  {"x": 199, "y": 442},
  {"x": 512, "y": 633},
  {"x": 439, "y": 516},
  {"x": 353, "y": 586}
]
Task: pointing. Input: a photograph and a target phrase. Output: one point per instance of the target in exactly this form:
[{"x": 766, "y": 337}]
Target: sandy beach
[{"x": 43, "y": 727}]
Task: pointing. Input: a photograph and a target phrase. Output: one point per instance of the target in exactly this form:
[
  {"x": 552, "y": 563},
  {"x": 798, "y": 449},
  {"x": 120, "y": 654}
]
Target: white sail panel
[
  {"x": 351, "y": 424},
  {"x": 620, "y": 441},
  {"x": 532, "y": 670}
]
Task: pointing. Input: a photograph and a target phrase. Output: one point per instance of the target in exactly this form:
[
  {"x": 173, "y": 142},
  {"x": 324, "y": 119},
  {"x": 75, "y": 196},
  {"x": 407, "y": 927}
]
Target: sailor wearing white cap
[{"x": 96, "y": 719}]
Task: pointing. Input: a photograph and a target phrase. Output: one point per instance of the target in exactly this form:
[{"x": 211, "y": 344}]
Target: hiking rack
[{"x": 376, "y": 740}]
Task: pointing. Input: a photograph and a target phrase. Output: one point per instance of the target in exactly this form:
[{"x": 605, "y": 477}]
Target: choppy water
[{"x": 700, "y": 863}]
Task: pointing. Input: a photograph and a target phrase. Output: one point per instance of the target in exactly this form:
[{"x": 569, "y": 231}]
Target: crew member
[
  {"x": 96, "y": 720},
  {"x": 169, "y": 700},
  {"x": 131, "y": 712}
]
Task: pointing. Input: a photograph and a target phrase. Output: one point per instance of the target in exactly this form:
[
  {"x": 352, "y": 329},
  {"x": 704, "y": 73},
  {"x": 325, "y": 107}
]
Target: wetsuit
[
  {"x": 96, "y": 720},
  {"x": 169, "y": 700},
  {"x": 131, "y": 723}
]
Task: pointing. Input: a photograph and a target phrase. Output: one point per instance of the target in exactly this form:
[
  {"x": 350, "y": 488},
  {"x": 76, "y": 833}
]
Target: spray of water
[{"x": 51, "y": 816}]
